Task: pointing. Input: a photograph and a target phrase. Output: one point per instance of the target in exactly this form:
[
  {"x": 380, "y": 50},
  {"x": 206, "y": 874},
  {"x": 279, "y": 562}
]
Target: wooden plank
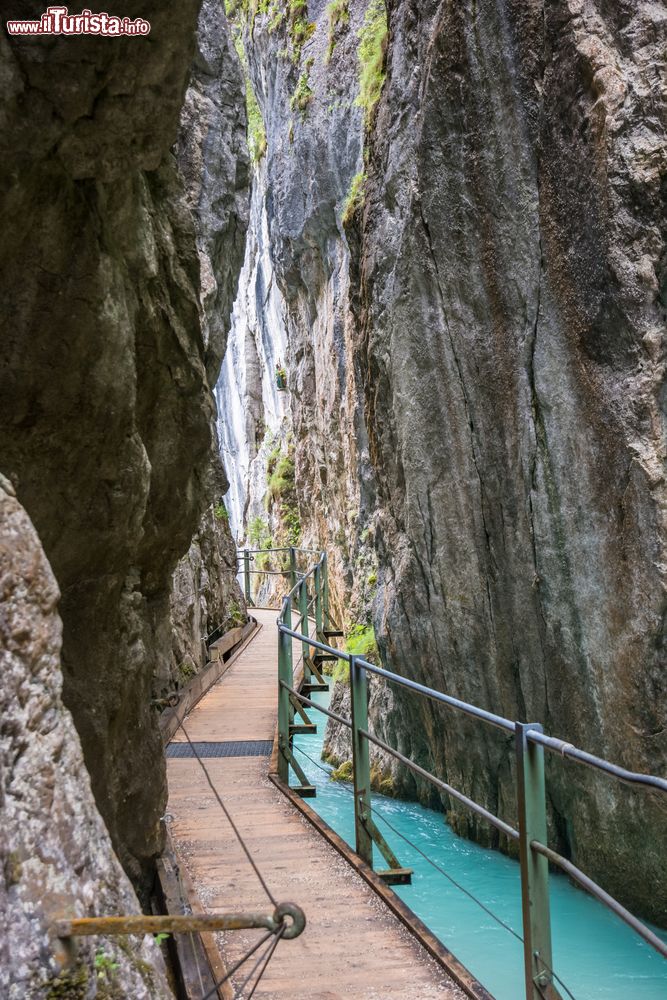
[
  {"x": 468, "y": 983},
  {"x": 213, "y": 953},
  {"x": 193, "y": 692}
]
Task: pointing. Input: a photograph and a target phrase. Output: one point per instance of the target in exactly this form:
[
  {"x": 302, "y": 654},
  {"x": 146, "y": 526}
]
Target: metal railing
[
  {"x": 530, "y": 745},
  {"x": 289, "y": 552}
]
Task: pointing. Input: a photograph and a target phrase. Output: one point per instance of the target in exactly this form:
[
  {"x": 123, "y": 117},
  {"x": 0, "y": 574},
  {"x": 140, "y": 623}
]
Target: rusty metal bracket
[{"x": 287, "y": 917}]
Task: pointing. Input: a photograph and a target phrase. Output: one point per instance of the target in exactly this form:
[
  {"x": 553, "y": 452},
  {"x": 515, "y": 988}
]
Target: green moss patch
[
  {"x": 355, "y": 198},
  {"x": 371, "y": 56},
  {"x": 339, "y": 18},
  {"x": 344, "y": 772},
  {"x": 361, "y": 642}
]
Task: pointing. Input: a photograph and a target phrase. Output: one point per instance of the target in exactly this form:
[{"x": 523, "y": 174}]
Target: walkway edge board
[
  {"x": 178, "y": 896},
  {"x": 200, "y": 685},
  {"x": 442, "y": 955}
]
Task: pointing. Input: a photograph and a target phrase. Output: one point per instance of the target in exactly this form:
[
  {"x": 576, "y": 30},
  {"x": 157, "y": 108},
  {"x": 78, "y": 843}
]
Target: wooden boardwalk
[{"x": 353, "y": 946}]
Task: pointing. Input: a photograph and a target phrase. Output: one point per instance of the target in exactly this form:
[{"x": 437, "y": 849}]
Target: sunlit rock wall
[
  {"x": 56, "y": 859},
  {"x": 254, "y": 417}
]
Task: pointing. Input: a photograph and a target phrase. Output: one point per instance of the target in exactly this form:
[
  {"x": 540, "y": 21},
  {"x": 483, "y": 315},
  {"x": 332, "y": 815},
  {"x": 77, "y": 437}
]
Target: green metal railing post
[
  {"x": 303, "y": 611},
  {"x": 538, "y": 960},
  {"x": 361, "y": 762},
  {"x": 284, "y": 706},
  {"x": 292, "y": 567},
  {"x": 246, "y": 576},
  {"x": 325, "y": 589},
  {"x": 319, "y": 622}
]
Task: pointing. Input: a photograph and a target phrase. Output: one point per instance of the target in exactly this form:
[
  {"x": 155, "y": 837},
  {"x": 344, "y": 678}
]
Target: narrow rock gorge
[
  {"x": 469, "y": 258},
  {"x": 382, "y": 277}
]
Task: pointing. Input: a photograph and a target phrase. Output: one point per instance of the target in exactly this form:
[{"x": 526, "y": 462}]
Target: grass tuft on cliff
[
  {"x": 259, "y": 537},
  {"x": 361, "y": 642},
  {"x": 281, "y": 480},
  {"x": 371, "y": 55},
  {"x": 339, "y": 17},
  {"x": 355, "y": 198},
  {"x": 282, "y": 493},
  {"x": 303, "y": 93},
  {"x": 257, "y": 143},
  {"x": 256, "y": 131}
]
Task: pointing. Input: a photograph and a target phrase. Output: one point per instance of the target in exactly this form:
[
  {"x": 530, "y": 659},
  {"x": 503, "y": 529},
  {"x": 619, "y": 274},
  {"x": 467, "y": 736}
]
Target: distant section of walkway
[{"x": 353, "y": 948}]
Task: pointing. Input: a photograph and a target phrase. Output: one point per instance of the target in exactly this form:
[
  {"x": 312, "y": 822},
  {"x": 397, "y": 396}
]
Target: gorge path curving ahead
[{"x": 353, "y": 946}]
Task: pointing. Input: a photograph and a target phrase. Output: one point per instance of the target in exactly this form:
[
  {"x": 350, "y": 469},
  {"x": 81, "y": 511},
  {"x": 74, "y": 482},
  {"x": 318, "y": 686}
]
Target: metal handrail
[
  {"x": 247, "y": 556},
  {"x": 557, "y": 859},
  {"x": 595, "y": 890},
  {"x": 550, "y": 743},
  {"x": 530, "y": 742}
]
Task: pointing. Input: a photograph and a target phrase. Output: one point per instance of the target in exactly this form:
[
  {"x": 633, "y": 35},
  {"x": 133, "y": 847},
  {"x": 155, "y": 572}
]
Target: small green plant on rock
[
  {"x": 344, "y": 772},
  {"x": 186, "y": 670},
  {"x": 272, "y": 459},
  {"x": 281, "y": 480},
  {"x": 339, "y": 17},
  {"x": 341, "y": 672},
  {"x": 289, "y": 515},
  {"x": 257, "y": 143},
  {"x": 361, "y": 642},
  {"x": 355, "y": 198},
  {"x": 258, "y": 532},
  {"x": 105, "y": 970},
  {"x": 235, "y": 615},
  {"x": 303, "y": 94},
  {"x": 220, "y": 512},
  {"x": 299, "y": 28},
  {"x": 259, "y": 536}
]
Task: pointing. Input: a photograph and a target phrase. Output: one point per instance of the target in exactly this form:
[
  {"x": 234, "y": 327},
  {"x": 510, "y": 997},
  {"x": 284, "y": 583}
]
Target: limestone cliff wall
[
  {"x": 513, "y": 353},
  {"x": 476, "y": 378},
  {"x": 106, "y": 361},
  {"x": 56, "y": 858},
  {"x": 254, "y": 415}
]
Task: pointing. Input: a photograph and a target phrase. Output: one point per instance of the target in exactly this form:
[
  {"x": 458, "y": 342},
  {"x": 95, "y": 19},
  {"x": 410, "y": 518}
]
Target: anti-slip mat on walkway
[{"x": 230, "y": 748}]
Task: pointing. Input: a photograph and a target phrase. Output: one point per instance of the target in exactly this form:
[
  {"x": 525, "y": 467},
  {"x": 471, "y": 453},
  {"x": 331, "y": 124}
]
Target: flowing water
[{"x": 595, "y": 954}]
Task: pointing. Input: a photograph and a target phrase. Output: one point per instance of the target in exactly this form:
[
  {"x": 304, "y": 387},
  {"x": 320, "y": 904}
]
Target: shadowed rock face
[
  {"x": 475, "y": 373},
  {"x": 56, "y": 859},
  {"x": 212, "y": 158},
  {"x": 513, "y": 364},
  {"x": 105, "y": 406}
]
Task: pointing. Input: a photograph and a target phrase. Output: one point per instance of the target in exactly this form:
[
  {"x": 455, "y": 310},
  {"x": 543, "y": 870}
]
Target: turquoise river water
[{"x": 596, "y": 955}]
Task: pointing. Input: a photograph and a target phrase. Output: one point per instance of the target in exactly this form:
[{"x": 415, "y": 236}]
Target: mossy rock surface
[
  {"x": 71, "y": 984},
  {"x": 344, "y": 772}
]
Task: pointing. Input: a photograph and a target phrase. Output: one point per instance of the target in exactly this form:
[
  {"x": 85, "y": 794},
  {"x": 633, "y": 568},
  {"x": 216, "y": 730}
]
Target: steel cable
[
  {"x": 266, "y": 958},
  {"x": 238, "y": 965},
  {"x": 230, "y": 820},
  {"x": 442, "y": 871}
]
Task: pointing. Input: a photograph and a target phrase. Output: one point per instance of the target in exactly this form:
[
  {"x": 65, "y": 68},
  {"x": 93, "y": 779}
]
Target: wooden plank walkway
[{"x": 353, "y": 946}]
